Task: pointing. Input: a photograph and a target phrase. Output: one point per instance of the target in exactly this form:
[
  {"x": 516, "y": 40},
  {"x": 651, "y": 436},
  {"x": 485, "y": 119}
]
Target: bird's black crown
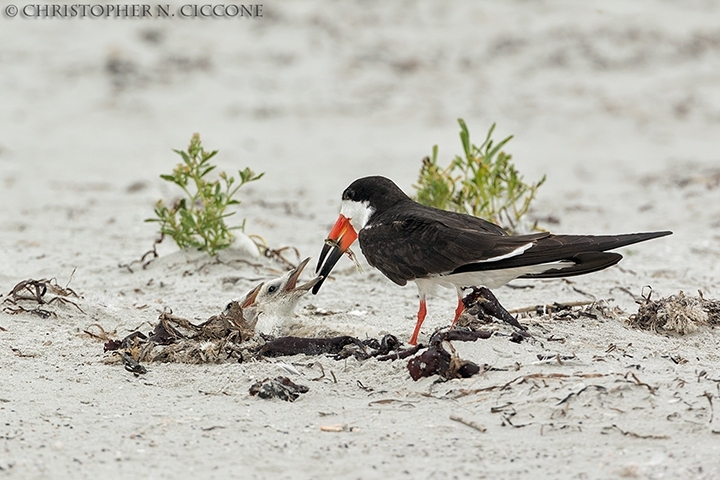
[{"x": 379, "y": 192}]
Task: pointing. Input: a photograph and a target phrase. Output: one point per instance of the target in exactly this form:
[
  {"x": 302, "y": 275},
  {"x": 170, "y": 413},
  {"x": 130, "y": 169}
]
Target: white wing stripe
[{"x": 518, "y": 251}]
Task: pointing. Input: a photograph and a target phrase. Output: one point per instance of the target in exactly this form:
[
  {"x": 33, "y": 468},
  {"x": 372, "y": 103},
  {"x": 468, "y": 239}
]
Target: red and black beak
[{"x": 338, "y": 241}]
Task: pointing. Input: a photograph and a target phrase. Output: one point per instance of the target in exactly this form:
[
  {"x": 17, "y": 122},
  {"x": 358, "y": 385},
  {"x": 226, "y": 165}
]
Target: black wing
[
  {"x": 414, "y": 241},
  {"x": 413, "y": 246},
  {"x": 586, "y": 251}
]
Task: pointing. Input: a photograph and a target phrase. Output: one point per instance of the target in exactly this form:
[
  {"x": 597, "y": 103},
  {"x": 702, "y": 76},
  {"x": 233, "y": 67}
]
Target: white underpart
[
  {"x": 270, "y": 324},
  {"x": 358, "y": 213},
  {"x": 518, "y": 251},
  {"x": 486, "y": 278}
]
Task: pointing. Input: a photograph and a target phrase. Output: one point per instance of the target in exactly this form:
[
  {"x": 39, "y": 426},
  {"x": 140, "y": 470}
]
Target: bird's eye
[
  {"x": 272, "y": 288},
  {"x": 228, "y": 306}
]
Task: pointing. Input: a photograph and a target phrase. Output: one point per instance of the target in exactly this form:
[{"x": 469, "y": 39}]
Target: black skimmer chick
[
  {"x": 409, "y": 241},
  {"x": 267, "y": 306}
]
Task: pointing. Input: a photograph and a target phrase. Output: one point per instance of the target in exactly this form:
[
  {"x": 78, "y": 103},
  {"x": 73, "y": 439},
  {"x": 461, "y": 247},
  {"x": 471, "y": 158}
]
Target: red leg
[
  {"x": 458, "y": 311},
  {"x": 422, "y": 311}
]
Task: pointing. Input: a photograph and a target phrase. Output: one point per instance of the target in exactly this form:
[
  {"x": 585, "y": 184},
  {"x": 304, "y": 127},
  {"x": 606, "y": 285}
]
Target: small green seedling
[
  {"x": 198, "y": 220},
  {"x": 483, "y": 183}
]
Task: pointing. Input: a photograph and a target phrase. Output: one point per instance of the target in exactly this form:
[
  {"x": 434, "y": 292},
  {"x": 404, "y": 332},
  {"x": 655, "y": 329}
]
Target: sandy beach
[{"x": 617, "y": 103}]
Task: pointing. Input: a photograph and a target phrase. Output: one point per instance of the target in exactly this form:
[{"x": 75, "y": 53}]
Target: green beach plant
[
  {"x": 198, "y": 219},
  {"x": 483, "y": 182}
]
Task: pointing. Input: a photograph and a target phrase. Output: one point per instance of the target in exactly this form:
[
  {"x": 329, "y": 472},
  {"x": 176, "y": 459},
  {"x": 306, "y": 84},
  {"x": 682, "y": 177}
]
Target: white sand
[{"x": 619, "y": 104}]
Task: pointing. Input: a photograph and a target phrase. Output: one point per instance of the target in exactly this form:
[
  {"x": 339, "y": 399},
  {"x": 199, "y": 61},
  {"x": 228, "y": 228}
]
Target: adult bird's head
[{"x": 363, "y": 198}]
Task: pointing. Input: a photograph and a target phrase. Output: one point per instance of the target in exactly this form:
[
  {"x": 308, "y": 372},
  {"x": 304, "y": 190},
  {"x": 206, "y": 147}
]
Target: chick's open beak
[
  {"x": 250, "y": 297},
  {"x": 338, "y": 241},
  {"x": 295, "y": 275}
]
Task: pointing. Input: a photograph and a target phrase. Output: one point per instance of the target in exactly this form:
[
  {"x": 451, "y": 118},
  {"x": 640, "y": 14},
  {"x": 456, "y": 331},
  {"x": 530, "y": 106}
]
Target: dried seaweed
[
  {"x": 572, "y": 395},
  {"x": 103, "y": 335},
  {"x": 132, "y": 365},
  {"x": 400, "y": 354},
  {"x": 526, "y": 378},
  {"x": 109, "y": 344},
  {"x": 677, "y": 313},
  {"x": 176, "y": 339},
  {"x": 595, "y": 310},
  {"x": 279, "y": 387},
  {"x": 228, "y": 337},
  {"x": 142, "y": 262},
  {"x": 627, "y": 433},
  {"x": 639, "y": 383},
  {"x": 40, "y": 312},
  {"x": 339, "y": 347},
  {"x": 463, "y": 335},
  {"x": 436, "y": 360},
  {"x": 386, "y": 344},
  {"x": 274, "y": 253},
  {"x": 481, "y": 304},
  {"x": 551, "y": 307},
  {"x": 284, "y": 346},
  {"x": 35, "y": 291}
]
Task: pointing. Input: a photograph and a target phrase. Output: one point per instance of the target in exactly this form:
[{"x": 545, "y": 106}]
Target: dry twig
[{"x": 469, "y": 423}]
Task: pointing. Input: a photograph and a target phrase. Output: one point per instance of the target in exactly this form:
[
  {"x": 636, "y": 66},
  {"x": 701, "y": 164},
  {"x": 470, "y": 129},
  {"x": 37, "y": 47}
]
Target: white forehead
[
  {"x": 357, "y": 212},
  {"x": 265, "y": 292}
]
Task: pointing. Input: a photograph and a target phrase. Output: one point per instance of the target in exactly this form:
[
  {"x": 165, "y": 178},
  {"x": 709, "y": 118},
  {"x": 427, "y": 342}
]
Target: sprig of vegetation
[
  {"x": 483, "y": 183},
  {"x": 198, "y": 220}
]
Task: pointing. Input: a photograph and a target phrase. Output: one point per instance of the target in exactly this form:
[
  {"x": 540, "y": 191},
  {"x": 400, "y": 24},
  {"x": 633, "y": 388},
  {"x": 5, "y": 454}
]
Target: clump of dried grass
[
  {"x": 677, "y": 313},
  {"x": 175, "y": 339}
]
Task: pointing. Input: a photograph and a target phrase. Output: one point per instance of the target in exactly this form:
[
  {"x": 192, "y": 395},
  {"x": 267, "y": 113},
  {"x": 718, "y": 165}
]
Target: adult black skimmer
[
  {"x": 409, "y": 241},
  {"x": 267, "y": 306}
]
